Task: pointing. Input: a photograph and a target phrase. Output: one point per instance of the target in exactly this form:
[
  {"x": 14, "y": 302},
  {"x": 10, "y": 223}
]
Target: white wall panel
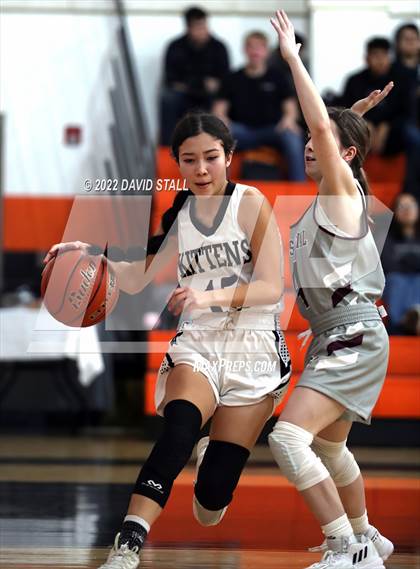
[{"x": 52, "y": 67}]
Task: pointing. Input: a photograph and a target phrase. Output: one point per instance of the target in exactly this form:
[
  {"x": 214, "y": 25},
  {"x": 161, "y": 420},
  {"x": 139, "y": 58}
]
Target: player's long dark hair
[
  {"x": 353, "y": 131},
  {"x": 192, "y": 124}
]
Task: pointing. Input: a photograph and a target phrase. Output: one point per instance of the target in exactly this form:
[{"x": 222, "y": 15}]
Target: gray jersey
[{"x": 331, "y": 269}]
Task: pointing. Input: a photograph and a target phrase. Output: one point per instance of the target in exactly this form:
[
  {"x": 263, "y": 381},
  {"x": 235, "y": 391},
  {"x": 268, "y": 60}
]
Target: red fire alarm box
[{"x": 72, "y": 135}]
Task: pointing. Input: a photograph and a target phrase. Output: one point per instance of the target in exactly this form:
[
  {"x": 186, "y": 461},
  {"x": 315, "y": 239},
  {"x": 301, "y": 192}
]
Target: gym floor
[{"x": 62, "y": 501}]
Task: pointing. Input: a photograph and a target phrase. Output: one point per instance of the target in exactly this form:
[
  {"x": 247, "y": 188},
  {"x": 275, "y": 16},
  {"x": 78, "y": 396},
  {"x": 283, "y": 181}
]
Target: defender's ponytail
[{"x": 353, "y": 131}]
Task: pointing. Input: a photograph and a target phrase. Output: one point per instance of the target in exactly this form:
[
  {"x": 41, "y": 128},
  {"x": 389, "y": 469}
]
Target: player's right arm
[
  {"x": 337, "y": 177},
  {"x": 134, "y": 276}
]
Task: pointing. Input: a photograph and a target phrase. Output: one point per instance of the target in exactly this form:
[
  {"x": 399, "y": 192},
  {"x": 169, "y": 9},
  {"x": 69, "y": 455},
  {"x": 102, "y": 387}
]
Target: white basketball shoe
[
  {"x": 349, "y": 553},
  {"x": 203, "y": 516},
  {"x": 121, "y": 557},
  {"x": 383, "y": 545}
]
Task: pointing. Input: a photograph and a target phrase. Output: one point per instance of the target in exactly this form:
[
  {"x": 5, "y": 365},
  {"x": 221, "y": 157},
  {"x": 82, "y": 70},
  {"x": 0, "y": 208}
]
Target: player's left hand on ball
[
  {"x": 61, "y": 247},
  {"x": 186, "y": 298}
]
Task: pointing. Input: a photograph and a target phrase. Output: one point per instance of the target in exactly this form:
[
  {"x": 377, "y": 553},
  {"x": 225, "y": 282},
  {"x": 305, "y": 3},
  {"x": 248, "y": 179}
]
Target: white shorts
[{"x": 242, "y": 366}]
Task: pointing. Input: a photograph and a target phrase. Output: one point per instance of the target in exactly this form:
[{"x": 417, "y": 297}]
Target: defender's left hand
[{"x": 362, "y": 106}]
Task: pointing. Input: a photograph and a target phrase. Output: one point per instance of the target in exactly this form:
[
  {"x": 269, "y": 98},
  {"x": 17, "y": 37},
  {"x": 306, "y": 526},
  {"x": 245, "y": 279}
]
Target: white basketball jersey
[{"x": 216, "y": 257}]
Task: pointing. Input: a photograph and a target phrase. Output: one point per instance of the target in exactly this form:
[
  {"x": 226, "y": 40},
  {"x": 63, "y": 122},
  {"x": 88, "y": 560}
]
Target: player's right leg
[
  {"x": 189, "y": 403},
  {"x": 222, "y": 457}
]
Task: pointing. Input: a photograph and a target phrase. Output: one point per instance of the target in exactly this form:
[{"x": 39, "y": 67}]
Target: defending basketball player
[
  {"x": 220, "y": 363},
  {"x": 338, "y": 277}
]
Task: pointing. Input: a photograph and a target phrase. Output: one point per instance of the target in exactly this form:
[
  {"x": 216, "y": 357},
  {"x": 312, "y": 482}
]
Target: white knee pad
[
  {"x": 338, "y": 459},
  {"x": 291, "y": 449}
]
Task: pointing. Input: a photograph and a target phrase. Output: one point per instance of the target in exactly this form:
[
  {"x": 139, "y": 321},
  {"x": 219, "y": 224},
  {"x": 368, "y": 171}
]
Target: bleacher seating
[
  {"x": 385, "y": 175},
  {"x": 32, "y": 224}
]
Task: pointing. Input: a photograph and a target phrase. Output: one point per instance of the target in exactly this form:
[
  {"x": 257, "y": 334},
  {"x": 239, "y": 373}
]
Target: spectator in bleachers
[
  {"x": 407, "y": 52},
  {"x": 401, "y": 261},
  {"x": 402, "y": 248},
  {"x": 407, "y": 61},
  {"x": 410, "y": 323},
  {"x": 259, "y": 105},
  {"x": 195, "y": 64},
  {"x": 389, "y": 120}
]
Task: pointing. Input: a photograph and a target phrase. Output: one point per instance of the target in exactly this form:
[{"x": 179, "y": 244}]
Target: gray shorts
[{"x": 348, "y": 363}]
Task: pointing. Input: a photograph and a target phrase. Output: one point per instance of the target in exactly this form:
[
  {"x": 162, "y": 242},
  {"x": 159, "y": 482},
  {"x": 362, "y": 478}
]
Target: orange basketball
[{"x": 79, "y": 290}]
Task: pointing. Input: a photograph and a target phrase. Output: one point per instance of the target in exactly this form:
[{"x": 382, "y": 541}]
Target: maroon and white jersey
[{"x": 330, "y": 268}]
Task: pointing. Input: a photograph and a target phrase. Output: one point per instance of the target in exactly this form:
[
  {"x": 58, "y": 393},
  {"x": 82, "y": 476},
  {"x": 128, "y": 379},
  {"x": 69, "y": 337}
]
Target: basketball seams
[
  {"x": 80, "y": 260},
  {"x": 84, "y": 288},
  {"x": 45, "y": 276},
  {"x": 68, "y": 280},
  {"x": 107, "y": 274},
  {"x": 115, "y": 296},
  {"x": 95, "y": 294},
  {"x": 76, "y": 267},
  {"x": 98, "y": 278}
]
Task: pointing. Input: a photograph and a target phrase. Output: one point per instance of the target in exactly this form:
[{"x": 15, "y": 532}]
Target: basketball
[{"x": 79, "y": 290}]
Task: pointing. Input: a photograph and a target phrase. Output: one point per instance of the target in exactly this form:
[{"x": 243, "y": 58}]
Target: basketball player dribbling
[
  {"x": 229, "y": 361},
  {"x": 338, "y": 277}
]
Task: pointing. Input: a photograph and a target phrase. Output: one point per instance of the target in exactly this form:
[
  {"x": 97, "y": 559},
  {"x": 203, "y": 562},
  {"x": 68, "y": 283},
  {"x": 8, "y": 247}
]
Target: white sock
[
  {"x": 137, "y": 520},
  {"x": 337, "y": 528},
  {"x": 360, "y": 525}
]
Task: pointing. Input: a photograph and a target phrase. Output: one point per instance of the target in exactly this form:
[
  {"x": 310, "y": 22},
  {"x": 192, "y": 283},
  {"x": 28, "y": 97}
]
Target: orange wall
[{"x": 35, "y": 223}]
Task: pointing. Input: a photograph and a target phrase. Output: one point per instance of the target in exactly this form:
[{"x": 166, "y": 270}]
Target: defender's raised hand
[
  {"x": 362, "y": 106},
  {"x": 286, "y": 33}
]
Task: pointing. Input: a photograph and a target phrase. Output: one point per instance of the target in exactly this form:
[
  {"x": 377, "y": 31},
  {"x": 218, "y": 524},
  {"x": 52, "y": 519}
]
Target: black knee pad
[
  {"x": 171, "y": 452},
  {"x": 219, "y": 474}
]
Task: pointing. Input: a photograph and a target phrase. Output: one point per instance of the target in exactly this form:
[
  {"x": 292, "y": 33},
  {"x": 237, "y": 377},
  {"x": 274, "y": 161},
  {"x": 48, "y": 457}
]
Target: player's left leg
[
  {"x": 308, "y": 412},
  {"x": 330, "y": 445},
  {"x": 222, "y": 457}
]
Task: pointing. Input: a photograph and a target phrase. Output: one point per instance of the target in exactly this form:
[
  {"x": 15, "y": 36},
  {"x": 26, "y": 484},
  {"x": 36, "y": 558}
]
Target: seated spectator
[
  {"x": 401, "y": 262},
  {"x": 195, "y": 63},
  {"x": 388, "y": 120},
  {"x": 401, "y": 251},
  {"x": 407, "y": 61},
  {"x": 407, "y": 57},
  {"x": 410, "y": 324},
  {"x": 260, "y": 108}
]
